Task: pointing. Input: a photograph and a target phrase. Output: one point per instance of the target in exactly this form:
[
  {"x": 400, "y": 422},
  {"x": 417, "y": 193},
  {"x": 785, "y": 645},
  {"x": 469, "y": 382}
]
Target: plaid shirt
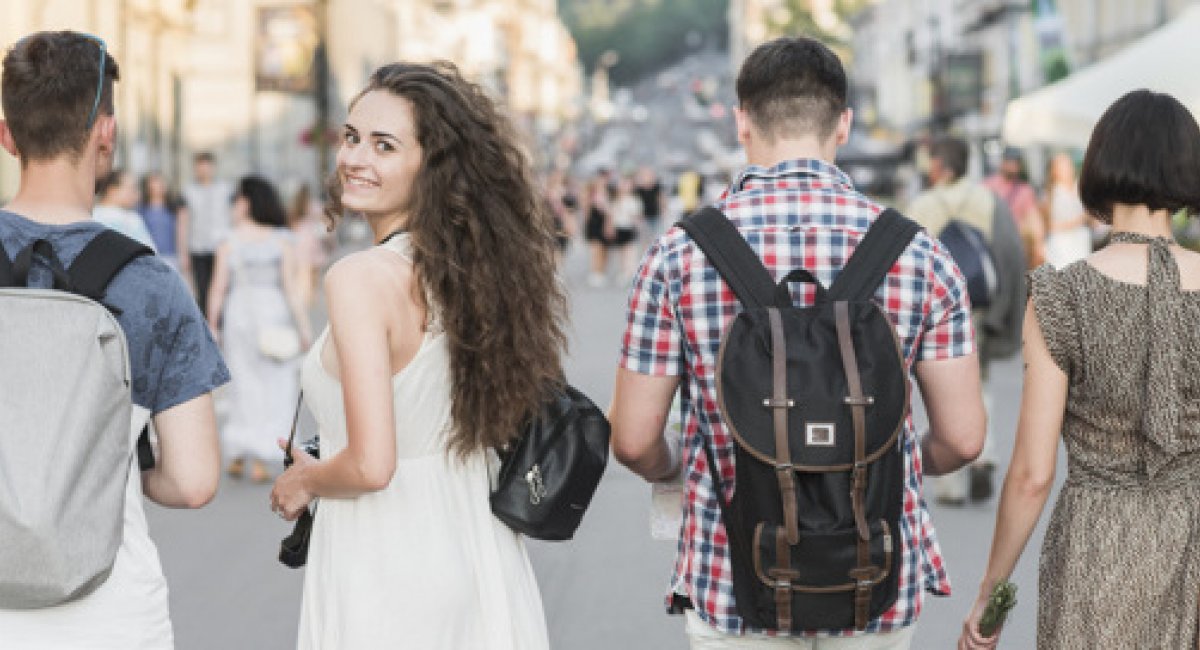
[{"x": 798, "y": 214}]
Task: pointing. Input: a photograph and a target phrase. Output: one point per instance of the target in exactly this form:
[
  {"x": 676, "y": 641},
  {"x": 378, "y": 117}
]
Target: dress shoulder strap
[{"x": 400, "y": 244}]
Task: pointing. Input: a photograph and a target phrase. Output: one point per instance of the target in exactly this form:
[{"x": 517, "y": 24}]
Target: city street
[{"x": 602, "y": 590}]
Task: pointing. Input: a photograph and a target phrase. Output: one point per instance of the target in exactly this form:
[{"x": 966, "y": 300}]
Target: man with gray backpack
[
  {"x": 792, "y": 316},
  {"x": 98, "y": 340}
]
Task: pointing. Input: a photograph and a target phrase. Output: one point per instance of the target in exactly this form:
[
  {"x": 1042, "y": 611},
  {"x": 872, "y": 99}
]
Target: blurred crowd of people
[
  {"x": 253, "y": 264},
  {"x": 619, "y": 213}
]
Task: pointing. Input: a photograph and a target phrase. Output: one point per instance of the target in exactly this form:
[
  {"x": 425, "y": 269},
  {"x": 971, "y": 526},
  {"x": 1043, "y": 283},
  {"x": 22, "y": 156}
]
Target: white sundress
[{"x": 422, "y": 563}]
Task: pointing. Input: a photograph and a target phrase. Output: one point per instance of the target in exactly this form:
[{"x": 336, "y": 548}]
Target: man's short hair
[
  {"x": 49, "y": 89},
  {"x": 204, "y": 157},
  {"x": 792, "y": 87},
  {"x": 953, "y": 153}
]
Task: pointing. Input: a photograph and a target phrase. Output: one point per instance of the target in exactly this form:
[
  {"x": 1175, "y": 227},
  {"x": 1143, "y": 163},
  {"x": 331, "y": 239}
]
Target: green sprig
[{"x": 1000, "y": 603}]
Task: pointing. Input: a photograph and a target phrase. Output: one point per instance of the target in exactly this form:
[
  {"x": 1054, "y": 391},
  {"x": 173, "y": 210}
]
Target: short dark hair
[
  {"x": 793, "y": 86},
  {"x": 204, "y": 156},
  {"x": 1145, "y": 150},
  {"x": 266, "y": 208},
  {"x": 48, "y": 90},
  {"x": 954, "y": 154}
]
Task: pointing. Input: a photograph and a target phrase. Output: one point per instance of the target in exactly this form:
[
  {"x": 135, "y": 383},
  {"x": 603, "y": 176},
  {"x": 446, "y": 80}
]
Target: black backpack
[{"x": 816, "y": 399}]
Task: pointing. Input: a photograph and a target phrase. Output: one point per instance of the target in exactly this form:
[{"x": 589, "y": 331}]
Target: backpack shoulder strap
[
  {"x": 874, "y": 256},
  {"x": 733, "y": 258},
  {"x": 7, "y": 279},
  {"x": 101, "y": 260},
  {"x": 90, "y": 273}
]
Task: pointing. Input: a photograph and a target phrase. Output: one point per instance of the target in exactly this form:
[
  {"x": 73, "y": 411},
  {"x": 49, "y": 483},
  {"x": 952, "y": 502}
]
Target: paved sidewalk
[{"x": 603, "y": 590}]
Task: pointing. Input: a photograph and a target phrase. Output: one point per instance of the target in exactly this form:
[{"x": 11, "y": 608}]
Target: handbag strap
[{"x": 292, "y": 436}]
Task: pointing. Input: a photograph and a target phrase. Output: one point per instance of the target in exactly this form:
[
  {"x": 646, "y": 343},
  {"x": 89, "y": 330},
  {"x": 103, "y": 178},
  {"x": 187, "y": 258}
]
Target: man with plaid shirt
[{"x": 797, "y": 210}]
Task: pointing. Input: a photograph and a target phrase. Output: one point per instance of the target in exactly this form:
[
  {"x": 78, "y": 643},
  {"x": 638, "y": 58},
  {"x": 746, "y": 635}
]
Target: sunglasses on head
[{"x": 99, "y": 82}]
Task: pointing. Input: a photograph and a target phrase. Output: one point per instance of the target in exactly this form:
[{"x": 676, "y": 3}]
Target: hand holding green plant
[{"x": 1001, "y": 602}]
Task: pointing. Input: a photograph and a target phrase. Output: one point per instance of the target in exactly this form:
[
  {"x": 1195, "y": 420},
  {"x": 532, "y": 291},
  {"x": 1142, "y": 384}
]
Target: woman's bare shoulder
[{"x": 372, "y": 267}]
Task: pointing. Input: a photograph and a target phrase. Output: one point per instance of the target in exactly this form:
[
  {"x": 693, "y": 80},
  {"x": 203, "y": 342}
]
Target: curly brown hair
[{"x": 483, "y": 252}]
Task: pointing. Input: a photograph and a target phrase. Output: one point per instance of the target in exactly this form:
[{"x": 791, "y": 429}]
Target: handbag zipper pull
[{"x": 537, "y": 489}]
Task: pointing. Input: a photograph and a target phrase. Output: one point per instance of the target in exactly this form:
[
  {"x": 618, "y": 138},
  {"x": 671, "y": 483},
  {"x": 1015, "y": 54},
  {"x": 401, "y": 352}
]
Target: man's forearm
[
  {"x": 657, "y": 462},
  {"x": 939, "y": 458}
]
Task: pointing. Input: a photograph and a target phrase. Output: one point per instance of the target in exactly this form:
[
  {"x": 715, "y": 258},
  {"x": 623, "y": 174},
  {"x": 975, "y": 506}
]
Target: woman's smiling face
[{"x": 380, "y": 157}]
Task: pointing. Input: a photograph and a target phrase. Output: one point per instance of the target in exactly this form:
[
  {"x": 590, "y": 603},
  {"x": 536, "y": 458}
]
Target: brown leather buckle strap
[
  {"x": 864, "y": 573},
  {"x": 857, "y": 402},
  {"x": 779, "y": 404},
  {"x": 783, "y": 584}
]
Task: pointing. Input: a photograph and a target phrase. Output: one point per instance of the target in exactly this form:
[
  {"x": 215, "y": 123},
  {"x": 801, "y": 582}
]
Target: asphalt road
[{"x": 603, "y": 590}]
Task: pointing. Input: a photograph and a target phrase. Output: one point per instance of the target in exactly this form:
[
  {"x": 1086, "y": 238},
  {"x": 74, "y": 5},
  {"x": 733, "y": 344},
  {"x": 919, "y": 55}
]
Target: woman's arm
[
  {"x": 1030, "y": 474},
  {"x": 359, "y": 328},
  {"x": 293, "y": 291},
  {"x": 216, "y": 292}
]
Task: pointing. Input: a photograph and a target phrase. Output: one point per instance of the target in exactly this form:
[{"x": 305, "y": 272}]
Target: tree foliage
[
  {"x": 645, "y": 34},
  {"x": 796, "y": 18}
]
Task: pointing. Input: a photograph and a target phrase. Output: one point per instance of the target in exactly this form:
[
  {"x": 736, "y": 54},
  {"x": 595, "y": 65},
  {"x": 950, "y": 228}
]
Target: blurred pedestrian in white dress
[
  {"x": 254, "y": 302},
  {"x": 1068, "y": 237}
]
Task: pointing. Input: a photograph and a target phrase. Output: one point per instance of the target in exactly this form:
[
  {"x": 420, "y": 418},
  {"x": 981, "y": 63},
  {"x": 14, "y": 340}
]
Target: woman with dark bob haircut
[
  {"x": 1112, "y": 363},
  {"x": 444, "y": 339}
]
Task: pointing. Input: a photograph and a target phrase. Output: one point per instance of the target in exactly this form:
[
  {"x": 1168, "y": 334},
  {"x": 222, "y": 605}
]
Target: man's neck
[
  {"x": 55, "y": 192},
  {"x": 770, "y": 155}
]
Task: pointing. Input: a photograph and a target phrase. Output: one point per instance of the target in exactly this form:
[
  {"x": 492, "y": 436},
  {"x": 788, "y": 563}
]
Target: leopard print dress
[{"x": 1120, "y": 564}]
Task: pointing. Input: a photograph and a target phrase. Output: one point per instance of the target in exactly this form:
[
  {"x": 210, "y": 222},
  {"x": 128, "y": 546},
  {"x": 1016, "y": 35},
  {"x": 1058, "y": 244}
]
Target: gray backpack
[{"x": 65, "y": 424}]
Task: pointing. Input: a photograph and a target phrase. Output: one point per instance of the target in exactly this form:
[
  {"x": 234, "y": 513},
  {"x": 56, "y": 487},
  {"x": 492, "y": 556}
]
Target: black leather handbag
[{"x": 548, "y": 475}]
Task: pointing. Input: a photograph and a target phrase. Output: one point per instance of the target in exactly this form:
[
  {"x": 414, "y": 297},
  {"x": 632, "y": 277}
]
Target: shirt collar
[{"x": 808, "y": 168}]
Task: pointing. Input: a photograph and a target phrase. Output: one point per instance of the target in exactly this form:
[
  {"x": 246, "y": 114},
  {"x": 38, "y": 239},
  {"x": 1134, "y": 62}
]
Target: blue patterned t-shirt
[{"x": 171, "y": 352}]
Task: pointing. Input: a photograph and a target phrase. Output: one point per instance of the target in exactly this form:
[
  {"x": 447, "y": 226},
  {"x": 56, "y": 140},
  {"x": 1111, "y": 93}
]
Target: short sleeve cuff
[
  {"x": 650, "y": 364},
  {"x": 1052, "y": 308},
  {"x": 940, "y": 352}
]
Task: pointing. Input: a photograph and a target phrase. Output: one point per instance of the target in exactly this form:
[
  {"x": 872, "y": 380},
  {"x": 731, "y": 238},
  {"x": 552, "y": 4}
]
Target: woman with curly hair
[{"x": 443, "y": 340}]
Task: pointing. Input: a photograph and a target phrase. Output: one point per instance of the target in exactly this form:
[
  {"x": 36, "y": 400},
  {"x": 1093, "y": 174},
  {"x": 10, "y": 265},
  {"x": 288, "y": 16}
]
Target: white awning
[{"x": 1063, "y": 114}]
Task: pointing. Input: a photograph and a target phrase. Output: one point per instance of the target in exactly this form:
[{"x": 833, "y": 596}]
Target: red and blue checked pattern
[{"x": 799, "y": 214}]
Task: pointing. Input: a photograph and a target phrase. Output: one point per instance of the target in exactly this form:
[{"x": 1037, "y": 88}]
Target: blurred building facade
[
  {"x": 235, "y": 76},
  {"x": 932, "y": 65}
]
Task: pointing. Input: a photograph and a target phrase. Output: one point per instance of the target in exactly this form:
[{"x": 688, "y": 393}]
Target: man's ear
[
  {"x": 744, "y": 128},
  {"x": 106, "y": 134},
  {"x": 6, "y": 139},
  {"x": 843, "y": 126}
]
